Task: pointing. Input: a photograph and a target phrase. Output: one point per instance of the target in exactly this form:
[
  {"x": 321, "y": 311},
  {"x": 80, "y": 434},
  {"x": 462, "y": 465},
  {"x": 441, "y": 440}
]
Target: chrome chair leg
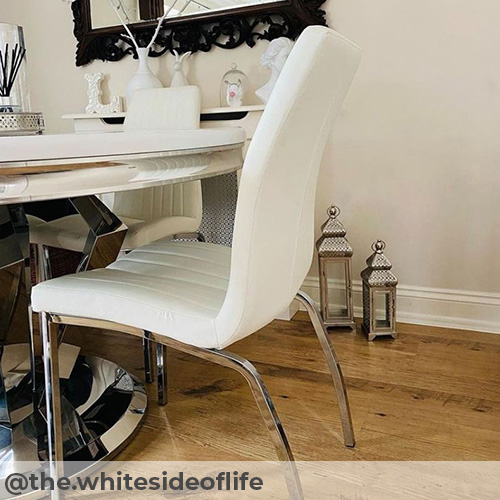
[
  {"x": 161, "y": 373},
  {"x": 147, "y": 348},
  {"x": 50, "y": 332},
  {"x": 269, "y": 414},
  {"x": 223, "y": 358},
  {"x": 43, "y": 263},
  {"x": 333, "y": 365},
  {"x": 35, "y": 262}
]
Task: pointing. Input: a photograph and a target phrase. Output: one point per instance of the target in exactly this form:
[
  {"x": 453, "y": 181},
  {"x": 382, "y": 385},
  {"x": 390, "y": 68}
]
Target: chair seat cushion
[
  {"x": 71, "y": 232},
  {"x": 170, "y": 288}
]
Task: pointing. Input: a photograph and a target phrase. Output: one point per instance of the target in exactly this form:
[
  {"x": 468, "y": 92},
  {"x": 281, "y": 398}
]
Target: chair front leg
[
  {"x": 50, "y": 333},
  {"x": 333, "y": 365}
]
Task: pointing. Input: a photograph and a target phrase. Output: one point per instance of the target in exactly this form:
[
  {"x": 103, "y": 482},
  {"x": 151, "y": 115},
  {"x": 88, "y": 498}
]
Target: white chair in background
[
  {"x": 150, "y": 214},
  {"x": 200, "y": 298}
]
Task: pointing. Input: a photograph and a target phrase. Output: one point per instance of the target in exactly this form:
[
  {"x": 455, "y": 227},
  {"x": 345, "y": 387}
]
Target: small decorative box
[{"x": 21, "y": 124}]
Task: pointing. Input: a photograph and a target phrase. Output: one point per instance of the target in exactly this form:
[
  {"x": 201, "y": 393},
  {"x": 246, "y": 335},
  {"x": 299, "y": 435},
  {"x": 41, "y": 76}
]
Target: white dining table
[{"x": 103, "y": 405}]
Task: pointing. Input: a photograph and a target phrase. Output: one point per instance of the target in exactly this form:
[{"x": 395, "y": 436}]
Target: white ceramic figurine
[
  {"x": 274, "y": 58},
  {"x": 179, "y": 79},
  {"x": 234, "y": 94}
]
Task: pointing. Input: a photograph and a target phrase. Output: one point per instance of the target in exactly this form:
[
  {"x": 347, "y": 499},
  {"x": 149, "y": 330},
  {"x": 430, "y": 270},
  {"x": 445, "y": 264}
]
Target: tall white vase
[{"x": 143, "y": 78}]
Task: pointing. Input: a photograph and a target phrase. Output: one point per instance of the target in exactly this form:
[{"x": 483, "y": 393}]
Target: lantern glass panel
[
  {"x": 382, "y": 309},
  {"x": 337, "y": 291}
]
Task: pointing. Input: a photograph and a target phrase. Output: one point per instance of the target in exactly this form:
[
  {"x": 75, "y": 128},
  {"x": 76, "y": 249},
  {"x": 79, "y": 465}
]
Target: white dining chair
[{"x": 200, "y": 298}]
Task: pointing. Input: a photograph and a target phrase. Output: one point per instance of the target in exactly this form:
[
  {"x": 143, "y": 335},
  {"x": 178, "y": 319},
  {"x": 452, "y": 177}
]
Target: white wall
[{"x": 414, "y": 158}]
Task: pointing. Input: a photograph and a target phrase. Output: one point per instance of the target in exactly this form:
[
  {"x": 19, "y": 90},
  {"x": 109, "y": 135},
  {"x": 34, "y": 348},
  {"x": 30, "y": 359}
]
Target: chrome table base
[
  {"x": 101, "y": 404},
  {"x": 102, "y": 407}
]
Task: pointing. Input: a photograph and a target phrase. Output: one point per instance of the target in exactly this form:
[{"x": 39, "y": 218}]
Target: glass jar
[
  {"x": 234, "y": 88},
  {"x": 14, "y": 92}
]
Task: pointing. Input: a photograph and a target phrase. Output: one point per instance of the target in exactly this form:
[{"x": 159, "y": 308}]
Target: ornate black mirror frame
[{"x": 226, "y": 29}]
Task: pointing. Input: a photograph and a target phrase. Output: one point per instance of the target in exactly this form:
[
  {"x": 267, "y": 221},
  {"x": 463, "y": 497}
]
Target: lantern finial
[
  {"x": 378, "y": 246},
  {"x": 333, "y": 211}
]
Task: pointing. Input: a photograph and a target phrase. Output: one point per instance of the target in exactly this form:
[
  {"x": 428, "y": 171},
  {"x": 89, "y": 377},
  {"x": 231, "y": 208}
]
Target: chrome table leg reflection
[
  {"x": 106, "y": 232},
  {"x": 16, "y": 328}
]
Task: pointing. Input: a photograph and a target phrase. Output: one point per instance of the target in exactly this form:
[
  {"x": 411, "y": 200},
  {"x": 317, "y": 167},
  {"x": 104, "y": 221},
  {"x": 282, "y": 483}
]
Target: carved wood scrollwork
[{"x": 227, "y": 30}]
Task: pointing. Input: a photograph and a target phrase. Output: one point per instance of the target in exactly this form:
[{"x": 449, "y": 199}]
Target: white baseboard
[{"x": 458, "y": 309}]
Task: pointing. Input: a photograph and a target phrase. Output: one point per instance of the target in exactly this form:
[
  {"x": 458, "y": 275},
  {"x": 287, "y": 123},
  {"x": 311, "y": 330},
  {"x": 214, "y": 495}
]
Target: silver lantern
[
  {"x": 335, "y": 273},
  {"x": 379, "y": 294}
]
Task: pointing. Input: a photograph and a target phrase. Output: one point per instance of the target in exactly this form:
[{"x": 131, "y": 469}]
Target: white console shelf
[{"x": 246, "y": 117}]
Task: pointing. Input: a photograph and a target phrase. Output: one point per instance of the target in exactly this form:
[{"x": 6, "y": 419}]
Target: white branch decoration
[
  {"x": 124, "y": 24},
  {"x": 158, "y": 27}
]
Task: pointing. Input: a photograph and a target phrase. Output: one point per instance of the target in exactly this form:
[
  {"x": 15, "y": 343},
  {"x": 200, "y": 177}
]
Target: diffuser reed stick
[{"x": 9, "y": 67}]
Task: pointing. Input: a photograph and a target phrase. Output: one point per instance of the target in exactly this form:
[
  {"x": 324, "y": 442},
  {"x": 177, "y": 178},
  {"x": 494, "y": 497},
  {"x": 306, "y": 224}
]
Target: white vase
[{"x": 143, "y": 78}]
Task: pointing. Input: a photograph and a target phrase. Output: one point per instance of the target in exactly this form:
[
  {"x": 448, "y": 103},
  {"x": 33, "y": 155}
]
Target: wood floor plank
[{"x": 433, "y": 394}]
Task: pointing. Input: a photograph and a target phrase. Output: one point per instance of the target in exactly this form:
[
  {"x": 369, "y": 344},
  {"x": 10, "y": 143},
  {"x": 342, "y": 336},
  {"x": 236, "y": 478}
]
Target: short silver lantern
[
  {"x": 335, "y": 274},
  {"x": 379, "y": 294}
]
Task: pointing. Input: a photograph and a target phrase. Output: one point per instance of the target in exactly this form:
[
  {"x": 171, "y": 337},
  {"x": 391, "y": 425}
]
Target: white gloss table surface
[{"x": 36, "y": 168}]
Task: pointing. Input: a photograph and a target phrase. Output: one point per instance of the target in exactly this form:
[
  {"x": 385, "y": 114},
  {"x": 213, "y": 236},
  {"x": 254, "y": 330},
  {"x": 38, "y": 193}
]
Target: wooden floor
[{"x": 434, "y": 394}]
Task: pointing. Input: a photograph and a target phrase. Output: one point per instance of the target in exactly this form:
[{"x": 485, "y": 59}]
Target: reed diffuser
[
  {"x": 10, "y": 62},
  {"x": 14, "y": 96}
]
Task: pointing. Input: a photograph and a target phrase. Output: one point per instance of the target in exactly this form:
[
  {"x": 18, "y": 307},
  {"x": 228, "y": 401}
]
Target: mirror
[
  {"x": 191, "y": 25},
  {"x": 104, "y": 13}
]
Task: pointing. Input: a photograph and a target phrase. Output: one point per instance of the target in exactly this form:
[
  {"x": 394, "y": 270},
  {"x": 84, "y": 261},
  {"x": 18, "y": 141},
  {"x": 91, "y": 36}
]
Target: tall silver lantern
[
  {"x": 379, "y": 294},
  {"x": 335, "y": 273}
]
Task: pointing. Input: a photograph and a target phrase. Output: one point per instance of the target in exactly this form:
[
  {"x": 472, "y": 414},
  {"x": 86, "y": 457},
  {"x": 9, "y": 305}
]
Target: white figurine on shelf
[
  {"x": 274, "y": 58},
  {"x": 234, "y": 94},
  {"x": 94, "y": 94},
  {"x": 179, "y": 79}
]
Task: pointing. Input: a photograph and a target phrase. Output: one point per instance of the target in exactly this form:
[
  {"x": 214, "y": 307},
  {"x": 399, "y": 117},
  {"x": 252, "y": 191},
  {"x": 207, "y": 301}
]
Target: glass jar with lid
[{"x": 234, "y": 88}]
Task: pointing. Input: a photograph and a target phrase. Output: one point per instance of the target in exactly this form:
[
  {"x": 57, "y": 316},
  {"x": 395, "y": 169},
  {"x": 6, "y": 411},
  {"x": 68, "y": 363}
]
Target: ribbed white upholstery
[
  {"x": 182, "y": 291},
  {"x": 150, "y": 214},
  {"x": 191, "y": 277},
  {"x": 160, "y": 109}
]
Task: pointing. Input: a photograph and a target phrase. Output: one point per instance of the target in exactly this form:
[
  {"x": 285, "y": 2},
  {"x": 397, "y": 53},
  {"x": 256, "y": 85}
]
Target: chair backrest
[
  {"x": 274, "y": 228},
  {"x": 175, "y": 108}
]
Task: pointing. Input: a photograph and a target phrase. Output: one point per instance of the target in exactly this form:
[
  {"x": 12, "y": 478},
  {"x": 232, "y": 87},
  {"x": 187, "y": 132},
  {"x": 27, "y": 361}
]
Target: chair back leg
[
  {"x": 269, "y": 414},
  {"x": 333, "y": 365},
  {"x": 161, "y": 373},
  {"x": 147, "y": 349},
  {"x": 43, "y": 269}
]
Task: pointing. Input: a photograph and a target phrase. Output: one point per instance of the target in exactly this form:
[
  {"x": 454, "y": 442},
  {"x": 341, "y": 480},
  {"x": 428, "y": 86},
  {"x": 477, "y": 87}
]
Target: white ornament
[
  {"x": 274, "y": 58},
  {"x": 234, "y": 94},
  {"x": 179, "y": 79},
  {"x": 143, "y": 78},
  {"x": 94, "y": 93}
]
